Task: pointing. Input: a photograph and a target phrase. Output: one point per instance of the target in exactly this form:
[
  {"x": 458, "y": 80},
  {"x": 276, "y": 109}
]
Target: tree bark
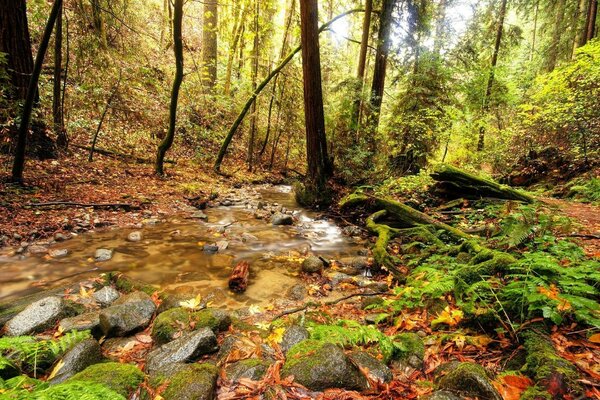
[
  {"x": 15, "y": 42},
  {"x": 379, "y": 69},
  {"x": 237, "y": 33},
  {"x": 57, "y": 115},
  {"x": 238, "y": 281},
  {"x": 490, "y": 82},
  {"x": 439, "y": 27},
  {"x": 19, "y": 161},
  {"x": 209, "y": 43},
  {"x": 167, "y": 142},
  {"x": 362, "y": 61},
  {"x": 591, "y": 20},
  {"x": 553, "y": 51},
  {"x": 99, "y": 25},
  {"x": 319, "y": 168},
  {"x": 253, "y": 127}
]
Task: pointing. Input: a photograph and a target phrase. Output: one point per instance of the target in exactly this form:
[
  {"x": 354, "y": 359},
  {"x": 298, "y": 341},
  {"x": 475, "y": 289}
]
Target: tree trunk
[
  {"x": 238, "y": 281},
  {"x": 250, "y": 156},
  {"x": 362, "y": 61},
  {"x": 178, "y": 50},
  {"x": 16, "y": 44},
  {"x": 490, "y": 82},
  {"x": 19, "y": 161},
  {"x": 319, "y": 168},
  {"x": 591, "y": 20},
  {"x": 535, "y": 23},
  {"x": 440, "y": 28},
  {"x": 578, "y": 32},
  {"x": 209, "y": 43},
  {"x": 556, "y": 36},
  {"x": 237, "y": 33},
  {"x": 379, "y": 69},
  {"x": 99, "y": 25},
  {"x": 57, "y": 117}
]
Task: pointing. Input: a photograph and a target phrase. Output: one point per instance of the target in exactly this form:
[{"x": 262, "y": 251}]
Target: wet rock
[
  {"x": 169, "y": 324},
  {"x": 187, "y": 347},
  {"x": 441, "y": 395},
  {"x": 312, "y": 264},
  {"x": 369, "y": 301},
  {"x": 292, "y": 336},
  {"x": 58, "y": 253},
  {"x": 210, "y": 248},
  {"x": 352, "y": 230},
  {"x": 61, "y": 237},
  {"x": 339, "y": 277},
  {"x": 377, "y": 370},
  {"x": 106, "y": 296},
  {"x": 37, "y": 250},
  {"x": 469, "y": 379},
  {"x": 320, "y": 366},
  {"x": 135, "y": 236},
  {"x": 37, "y": 316},
  {"x": 199, "y": 215},
  {"x": 354, "y": 265},
  {"x": 81, "y": 356},
  {"x": 412, "y": 353},
  {"x": 88, "y": 321},
  {"x": 129, "y": 313},
  {"x": 282, "y": 219},
  {"x": 297, "y": 292},
  {"x": 122, "y": 378},
  {"x": 103, "y": 255},
  {"x": 222, "y": 245},
  {"x": 248, "y": 237},
  {"x": 188, "y": 382},
  {"x": 253, "y": 369},
  {"x": 377, "y": 286}
]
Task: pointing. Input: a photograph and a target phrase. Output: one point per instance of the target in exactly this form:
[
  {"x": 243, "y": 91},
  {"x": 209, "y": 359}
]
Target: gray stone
[
  {"x": 187, "y": 347},
  {"x": 355, "y": 265},
  {"x": 210, "y": 248},
  {"x": 377, "y": 370},
  {"x": 297, "y": 292},
  {"x": 129, "y": 313},
  {"x": 312, "y": 264},
  {"x": 339, "y": 277},
  {"x": 370, "y": 301},
  {"x": 61, "y": 237},
  {"x": 199, "y": 215},
  {"x": 320, "y": 366},
  {"x": 292, "y": 336},
  {"x": 412, "y": 353},
  {"x": 103, "y": 254},
  {"x": 37, "y": 249},
  {"x": 189, "y": 382},
  {"x": 58, "y": 253},
  {"x": 470, "y": 380},
  {"x": 441, "y": 395},
  {"x": 135, "y": 236},
  {"x": 106, "y": 296},
  {"x": 282, "y": 219},
  {"x": 88, "y": 321},
  {"x": 252, "y": 368},
  {"x": 37, "y": 316},
  {"x": 222, "y": 245},
  {"x": 81, "y": 356},
  {"x": 248, "y": 237}
]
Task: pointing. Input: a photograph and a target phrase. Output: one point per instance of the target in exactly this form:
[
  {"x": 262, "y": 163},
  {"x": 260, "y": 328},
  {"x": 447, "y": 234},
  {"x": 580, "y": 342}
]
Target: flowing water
[{"x": 171, "y": 255}]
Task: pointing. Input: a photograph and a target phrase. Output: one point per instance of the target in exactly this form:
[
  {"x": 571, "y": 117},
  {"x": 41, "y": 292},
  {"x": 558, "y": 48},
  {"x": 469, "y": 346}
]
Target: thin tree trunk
[
  {"x": 591, "y": 20},
  {"x": 99, "y": 25},
  {"x": 57, "y": 117},
  {"x": 66, "y": 77},
  {"x": 250, "y": 156},
  {"x": 19, "y": 161},
  {"x": 277, "y": 129},
  {"x": 577, "y": 30},
  {"x": 379, "y": 69},
  {"x": 535, "y": 22},
  {"x": 318, "y": 168},
  {"x": 237, "y": 32},
  {"x": 167, "y": 142},
  {"x": 209, "y": 43},
  {"x": 439, "y": 28},
  {"x": 241, "y": 57},
  {"x": 113, "y": 93},
  {"x": 490, "y": 82},
  {"x": 362, "y": 61},
  {"x": 556, "y": 36}
]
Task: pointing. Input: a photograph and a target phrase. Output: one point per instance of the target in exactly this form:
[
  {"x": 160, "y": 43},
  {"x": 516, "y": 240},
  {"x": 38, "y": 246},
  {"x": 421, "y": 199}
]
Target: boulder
[
  {"x": 292, "y": 336},
  {"x": 210, "y": 248},
  {"x": 88, "y": 321},
  {"x": 468, "y": 379},
  {"x": 188, "y": 382},
  {"x": 252, "y": 368},
  {"x": 129, "y": 313},
  {"x": 81, "y": 356},
  {"x": 106, "y": 296},
  {"x": 282, "y": 219},
  {"x": 312, "y": 264},
  {"x": 122, "y": 378},
  {"x": 297, "y": 292},
  {"x": 103, "y": 254},
  {"x": 171, "y": 322},
  {"x": 411, "y": 351},
  {"x": 441, "y": 395},
  {"x": 187, "y": 347},
  {"x": 37, "y": 316},
  {"x": 354, "y": 265},
  {"x": 376, "y": 370},
  {"x": 319, "y": 366}
]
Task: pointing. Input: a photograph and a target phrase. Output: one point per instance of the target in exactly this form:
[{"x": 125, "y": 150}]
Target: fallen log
[
  {"x": 124, "y": 206},
  {"x": 238, "y": 281},
  {"x": 455, "y": 183}
]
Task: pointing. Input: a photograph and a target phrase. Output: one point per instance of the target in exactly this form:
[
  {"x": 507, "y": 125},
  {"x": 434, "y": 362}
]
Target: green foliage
[
  {"x": 586, "y": 190},
  {"x": 405, "y": 186},
  {"x": 23, "y": 387},
  {"x": 528, "y": 223},
  {"x": 30, "y": 354}
]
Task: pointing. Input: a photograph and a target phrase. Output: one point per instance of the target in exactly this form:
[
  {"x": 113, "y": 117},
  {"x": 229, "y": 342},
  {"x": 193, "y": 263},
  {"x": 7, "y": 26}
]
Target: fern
[{"x": 75, "y": 390}]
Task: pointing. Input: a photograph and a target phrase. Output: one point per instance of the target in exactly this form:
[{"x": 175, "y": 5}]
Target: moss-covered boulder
[
  {"x": 81, "y": 356},
  {"x": 292, "y": 336},
  {"x": 170, "y": 323},
  {"x": 375, "y": 369},
  {"x": 188, "y": 382},
  {"x": 410, "y": 351},
  {"x": 121, "y": 378},
  {"x": 319, "y": 366},
  {"x": 129, "y": 313},
  {"x": 252, "y": 368},
  {"x": 440, "y": 395},
  {"x": 468, "y": 379}
]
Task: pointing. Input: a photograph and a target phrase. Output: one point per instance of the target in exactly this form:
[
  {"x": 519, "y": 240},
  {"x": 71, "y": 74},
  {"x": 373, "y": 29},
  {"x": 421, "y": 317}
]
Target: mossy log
[{"x": 455, "y": 183}]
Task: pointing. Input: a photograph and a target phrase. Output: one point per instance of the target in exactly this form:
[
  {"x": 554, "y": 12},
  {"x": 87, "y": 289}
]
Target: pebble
[
  {"x": 58, "y": 253},
  {"x": 103, "y": 254},
  {"x": 135, "y": 236}
]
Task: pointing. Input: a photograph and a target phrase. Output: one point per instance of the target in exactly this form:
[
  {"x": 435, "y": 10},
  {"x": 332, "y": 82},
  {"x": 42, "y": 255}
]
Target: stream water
[{"x": 171, "y": 254}]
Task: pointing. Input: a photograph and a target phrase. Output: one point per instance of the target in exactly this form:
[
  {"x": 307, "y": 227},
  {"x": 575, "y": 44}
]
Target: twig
[
  {"x": 124, "y": 206},
  {"x": 327, "y": 303}
]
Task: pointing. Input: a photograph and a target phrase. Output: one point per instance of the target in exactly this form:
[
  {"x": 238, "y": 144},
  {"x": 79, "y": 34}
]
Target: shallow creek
[{"x": 171, "y": 253}]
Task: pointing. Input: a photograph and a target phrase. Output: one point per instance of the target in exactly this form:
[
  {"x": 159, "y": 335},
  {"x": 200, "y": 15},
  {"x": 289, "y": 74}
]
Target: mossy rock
[
  {"x": 170, "y": 322},
  {"x": 468, "y": 379},
  {"x": 126, "y": 284},
  {"x": 320, "y": 365},
  {"x": 252, "y": 368},
  {"x": 411, "y": 349},
  {"x": 535, "y": 393},
  {"x": 189, "y": 382},
  {"x": 121, "y": 378}
]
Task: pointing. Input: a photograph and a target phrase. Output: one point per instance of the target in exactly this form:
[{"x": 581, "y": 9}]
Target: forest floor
[{"x": 105, "y": 181}]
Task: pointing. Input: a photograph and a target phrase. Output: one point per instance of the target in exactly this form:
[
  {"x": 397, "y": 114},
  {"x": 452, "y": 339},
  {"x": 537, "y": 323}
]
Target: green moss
[
  {"x": 127, "y": 285},
  {"x": 196, "y": 381},
  {"x": 168, "y": 323},
  {"x": 121, "y": 378},
  {"x": 535, "y": 393},
  {"x": 408, "y": 344},
  {"x": 305, "y": 347},
  {"x": 543, "y": 362}
]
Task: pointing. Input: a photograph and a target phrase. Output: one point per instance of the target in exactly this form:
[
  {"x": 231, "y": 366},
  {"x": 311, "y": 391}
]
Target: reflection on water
[{"x": 171, "y": 255}]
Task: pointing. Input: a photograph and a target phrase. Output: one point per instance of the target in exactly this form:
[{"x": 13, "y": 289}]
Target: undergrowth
[{"x": 22, "y": 387}]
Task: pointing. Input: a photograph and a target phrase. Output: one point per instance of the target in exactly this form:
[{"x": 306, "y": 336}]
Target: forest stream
[{"x": 180, "y": 254}]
